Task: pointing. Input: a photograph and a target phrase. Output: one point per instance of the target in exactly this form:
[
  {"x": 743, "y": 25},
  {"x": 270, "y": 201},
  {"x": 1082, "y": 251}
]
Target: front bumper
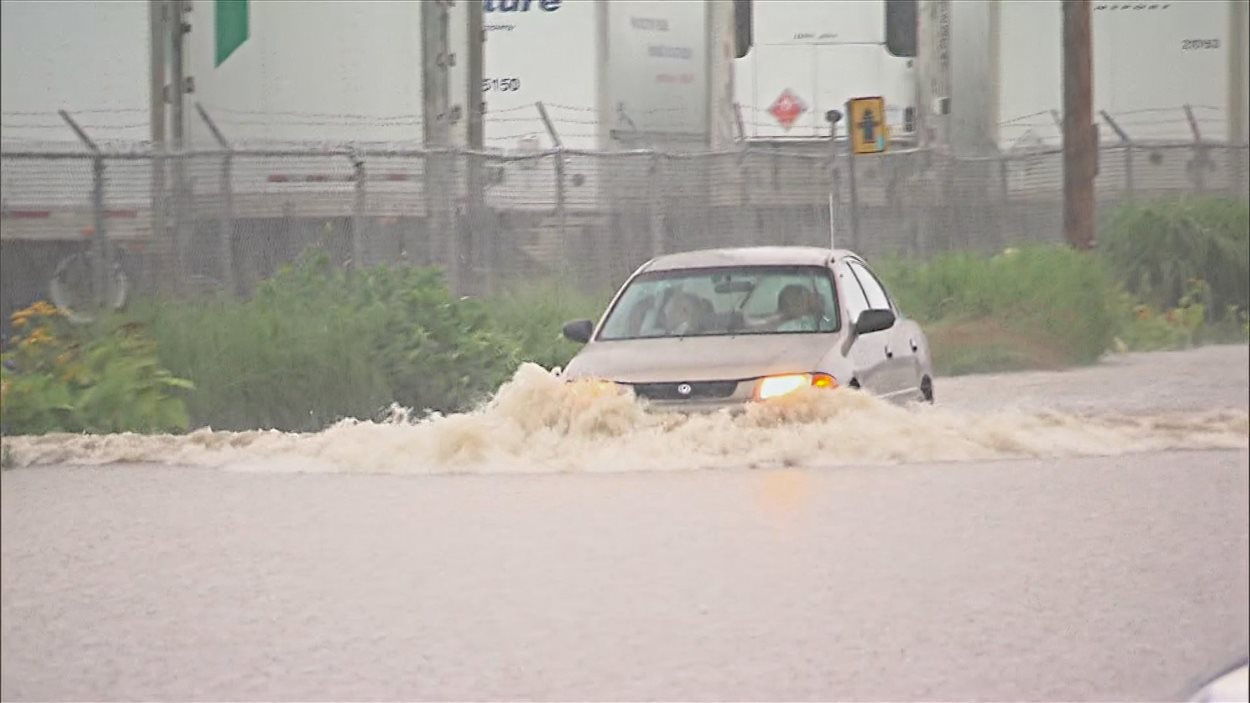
[{"x": 733, "y": 407}]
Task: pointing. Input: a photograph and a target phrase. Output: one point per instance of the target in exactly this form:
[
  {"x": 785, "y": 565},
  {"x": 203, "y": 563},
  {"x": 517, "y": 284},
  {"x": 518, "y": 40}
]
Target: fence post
[
  {"x": 743, "y": 231},
  {"x": 101, "y": 254},
  {"x": 850, "y": 167},
  {"x": 561, "y": 210},
  {"x": 1201, "y": 160},
  {"x": 655, "y": 214},
  {"x": 482, "y": 239},
  {"x": 225, "y": 219},
  {"x": 359, "y": 205},
  {"x": 835, "y": 194},
  {"x": 1127, "y": 141}
]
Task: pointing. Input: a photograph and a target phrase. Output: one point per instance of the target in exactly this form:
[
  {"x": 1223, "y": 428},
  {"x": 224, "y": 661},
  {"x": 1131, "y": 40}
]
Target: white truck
[{"x": 990, "y": 73}]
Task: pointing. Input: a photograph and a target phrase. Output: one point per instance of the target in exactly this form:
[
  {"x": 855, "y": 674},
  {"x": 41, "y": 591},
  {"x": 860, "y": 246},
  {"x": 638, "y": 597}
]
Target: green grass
[
  {"x": 987, "y": 346},
  {"x": 1058, "y": 301}
]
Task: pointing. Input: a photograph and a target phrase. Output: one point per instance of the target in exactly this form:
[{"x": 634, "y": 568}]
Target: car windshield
[{"x": 723, "y": 301}]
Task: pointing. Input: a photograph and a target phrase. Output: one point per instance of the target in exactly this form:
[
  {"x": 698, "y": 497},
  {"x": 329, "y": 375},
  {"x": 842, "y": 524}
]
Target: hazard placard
[{"x": 866, "y": 125}]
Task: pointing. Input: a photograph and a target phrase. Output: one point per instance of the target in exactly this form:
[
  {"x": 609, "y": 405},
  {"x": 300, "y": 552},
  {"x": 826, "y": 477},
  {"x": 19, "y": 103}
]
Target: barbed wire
[
  {"x": 85, "y": 111},
  {"x": 321, "y": 123}
]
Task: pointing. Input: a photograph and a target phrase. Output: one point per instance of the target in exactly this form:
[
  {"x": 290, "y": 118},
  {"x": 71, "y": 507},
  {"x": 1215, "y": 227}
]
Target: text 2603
[{"x": 1191, "y": 44}]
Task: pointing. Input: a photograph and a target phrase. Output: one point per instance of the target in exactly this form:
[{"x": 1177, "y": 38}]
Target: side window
[
  {"x": 853, "y": 294},
  {"x": 877, "y": 299}
]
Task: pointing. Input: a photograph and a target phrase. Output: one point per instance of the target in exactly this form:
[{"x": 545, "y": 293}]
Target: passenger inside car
[{"x": 798, "y": 309}]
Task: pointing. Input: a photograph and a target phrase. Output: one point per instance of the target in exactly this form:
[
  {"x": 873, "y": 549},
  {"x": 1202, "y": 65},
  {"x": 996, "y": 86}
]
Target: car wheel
[{"x": 926, "y": 389}]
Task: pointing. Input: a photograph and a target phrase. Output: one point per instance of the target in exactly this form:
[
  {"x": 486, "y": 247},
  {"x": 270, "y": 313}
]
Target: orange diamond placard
[{"x": 787, "y": 108}]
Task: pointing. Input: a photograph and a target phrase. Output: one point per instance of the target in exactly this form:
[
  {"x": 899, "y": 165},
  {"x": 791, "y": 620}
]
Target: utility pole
[
  {"x": 1236, "y": 122},
  {"x": 158, "y": 39},
  {"x": 1080, "y": 146},
  {"x": 439, "y": 166}
]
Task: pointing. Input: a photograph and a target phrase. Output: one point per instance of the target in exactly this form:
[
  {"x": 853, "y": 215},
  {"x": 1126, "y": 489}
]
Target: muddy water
[
  {"x": 537, "y": 423},
  {"x": 1098, "y": 570}
]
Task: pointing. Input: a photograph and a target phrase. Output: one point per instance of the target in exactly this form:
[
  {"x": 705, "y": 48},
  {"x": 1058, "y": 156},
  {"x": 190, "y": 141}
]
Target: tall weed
[{"x": 1158, "y": 249}]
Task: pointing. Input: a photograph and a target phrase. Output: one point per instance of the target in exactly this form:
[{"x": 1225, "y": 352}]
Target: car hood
[{"x": 701, "y": 358}]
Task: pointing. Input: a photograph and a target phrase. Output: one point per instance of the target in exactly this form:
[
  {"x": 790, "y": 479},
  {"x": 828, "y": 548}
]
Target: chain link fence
[{"x": 80, "y": 225}]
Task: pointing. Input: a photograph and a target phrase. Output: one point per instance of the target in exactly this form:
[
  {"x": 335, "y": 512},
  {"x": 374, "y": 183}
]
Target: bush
[
  {"x": 317, "y": 344},
  {"x": 1159, "y": 249},
  {"x": 1062, "y": 299},
  {"x": 534, "y": 315},
  {"x": 61, "y": 378}
]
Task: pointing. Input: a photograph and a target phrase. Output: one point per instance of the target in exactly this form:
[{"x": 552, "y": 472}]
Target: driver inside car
[{"x": 686, "y": 314}]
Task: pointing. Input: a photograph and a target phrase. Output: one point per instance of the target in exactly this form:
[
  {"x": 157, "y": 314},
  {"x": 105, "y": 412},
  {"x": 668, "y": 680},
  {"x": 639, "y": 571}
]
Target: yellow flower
[
  {"x": 38, "y": 336},
  {"x": 45, "y": 309}
]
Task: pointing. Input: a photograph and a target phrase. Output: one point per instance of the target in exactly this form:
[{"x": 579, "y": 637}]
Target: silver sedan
[{"x": 715, "y": 328}]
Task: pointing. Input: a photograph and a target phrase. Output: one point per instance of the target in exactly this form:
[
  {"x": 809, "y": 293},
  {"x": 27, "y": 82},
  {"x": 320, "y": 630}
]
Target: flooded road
[{"x": 1099, "y": 569}]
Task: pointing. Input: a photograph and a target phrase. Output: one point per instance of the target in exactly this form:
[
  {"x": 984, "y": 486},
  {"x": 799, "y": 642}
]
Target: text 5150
[{"x": 502, "y": 85}]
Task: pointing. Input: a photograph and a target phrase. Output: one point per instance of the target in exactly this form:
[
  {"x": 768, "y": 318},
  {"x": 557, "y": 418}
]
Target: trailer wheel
[{"x": 73, "y": 288}]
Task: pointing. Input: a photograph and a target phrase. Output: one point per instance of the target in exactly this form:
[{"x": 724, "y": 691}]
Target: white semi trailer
[
  {"x": 990, "y": 72},
  {"x": 613, "y": 74}
]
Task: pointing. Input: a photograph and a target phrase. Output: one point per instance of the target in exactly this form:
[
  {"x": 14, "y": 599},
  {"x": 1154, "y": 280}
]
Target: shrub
[
  {"x": 1158, "y": 249},
  {"x": 534, "y": 315},
  {"x": 317, "y": 344}
]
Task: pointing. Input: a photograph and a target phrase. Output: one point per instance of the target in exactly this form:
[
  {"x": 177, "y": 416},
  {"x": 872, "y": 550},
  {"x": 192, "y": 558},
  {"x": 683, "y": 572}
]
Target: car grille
[{"x": 699, "y": 390}]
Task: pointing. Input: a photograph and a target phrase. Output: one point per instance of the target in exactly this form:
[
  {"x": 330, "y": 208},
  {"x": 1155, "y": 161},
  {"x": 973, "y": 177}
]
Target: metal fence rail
[{"x": 226, "y": 219}]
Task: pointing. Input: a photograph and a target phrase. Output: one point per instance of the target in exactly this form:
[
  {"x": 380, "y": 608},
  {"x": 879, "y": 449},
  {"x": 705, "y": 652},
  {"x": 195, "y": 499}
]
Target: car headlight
[
  {"x": 599, "y": 387},
  {"x": 776, "y": 386}
]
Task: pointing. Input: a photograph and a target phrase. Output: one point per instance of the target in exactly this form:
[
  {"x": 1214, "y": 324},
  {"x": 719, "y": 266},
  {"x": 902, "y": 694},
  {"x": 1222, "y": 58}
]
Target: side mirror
[
  {"x": 874, "y": 321},
  {"x": 579, "y": 331},
  {"x": 1231, "y": 684},
  {"x": 900, "y": 27},
  {"x": 743, "y": 28}
]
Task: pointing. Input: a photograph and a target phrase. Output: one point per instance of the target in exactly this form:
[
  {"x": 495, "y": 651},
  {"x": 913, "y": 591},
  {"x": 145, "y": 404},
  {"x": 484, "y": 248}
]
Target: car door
[
  {"x": 900, "y": 351},
  {"x": 867, "y": 354},
  {"x": 893, "y": 378}
]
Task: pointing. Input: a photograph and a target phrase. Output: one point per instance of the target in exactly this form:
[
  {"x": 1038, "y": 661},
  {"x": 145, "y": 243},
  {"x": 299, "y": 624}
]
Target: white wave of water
[{"x": 539, "y": 423}]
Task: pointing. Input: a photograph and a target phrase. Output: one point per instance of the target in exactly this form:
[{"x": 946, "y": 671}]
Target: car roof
[{"x": 747, "y": 256}]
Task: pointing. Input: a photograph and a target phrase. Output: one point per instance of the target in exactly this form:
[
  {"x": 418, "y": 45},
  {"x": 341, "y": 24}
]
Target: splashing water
[{"x": 539, "y": 423}]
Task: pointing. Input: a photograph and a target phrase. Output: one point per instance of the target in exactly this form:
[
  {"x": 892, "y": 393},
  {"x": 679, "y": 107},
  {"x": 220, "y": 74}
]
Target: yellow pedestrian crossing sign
[{"x": 866, "y": 125}]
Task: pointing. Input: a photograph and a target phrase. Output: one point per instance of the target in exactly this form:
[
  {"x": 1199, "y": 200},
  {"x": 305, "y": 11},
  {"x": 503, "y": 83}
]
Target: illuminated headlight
[{"x": 776, "y": 386}]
